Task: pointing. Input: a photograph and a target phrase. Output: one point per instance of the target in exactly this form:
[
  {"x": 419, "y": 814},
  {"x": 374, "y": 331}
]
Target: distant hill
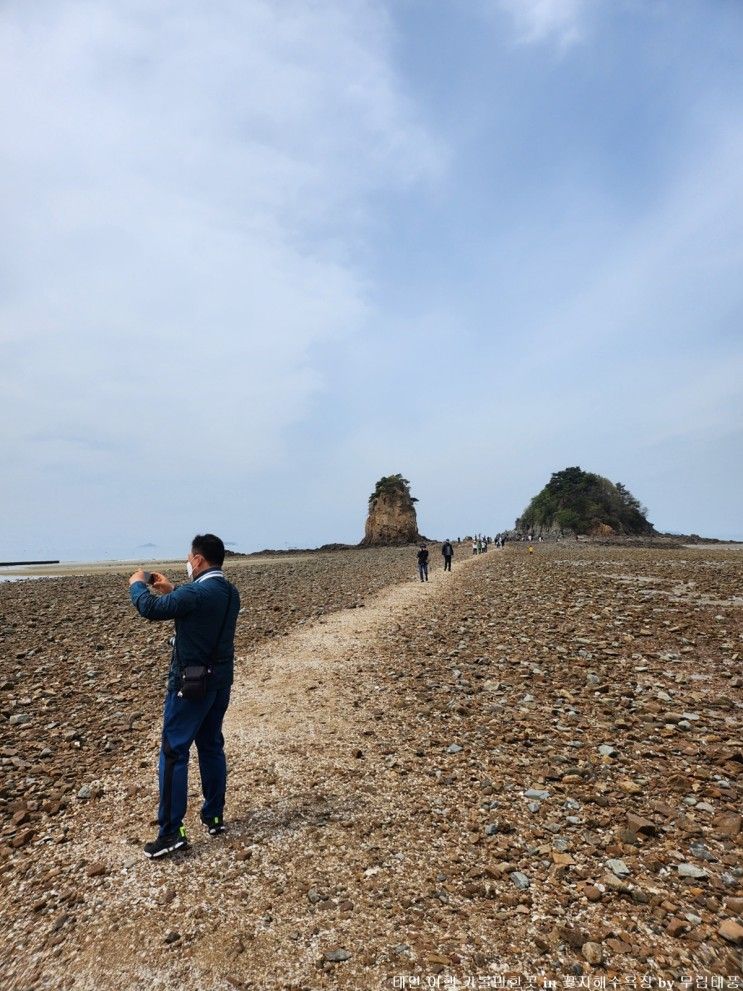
[{"x": 580, "y": 502}]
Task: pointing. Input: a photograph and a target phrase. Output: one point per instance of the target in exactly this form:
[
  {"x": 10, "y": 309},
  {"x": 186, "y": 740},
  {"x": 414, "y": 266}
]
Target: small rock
[
  {"x": 727, "y": 825},
  {"x": 172, "y": 937},
  {"x": 520, "y": 880},
  {"x": 689, "y": 870},
  {"x": 732, "y": 932},
  {"x": 629, "y": 787},
  {"x": 637, "y": 824},
  {"x": 97, "y": 870},
  {"x": 336, "y": 956},
  {"x": 85, "y": 793},
  {"x": 536, "y": 793},
  {"x": 700, "y": 850},
  {"x": 453, "y": 748},
  {"x": 618, "y": 867},
  {"x": 562, "y": 859},
  {"x": 592, "y": 952},
  {"x": 676, "y": 928},
  {"x": 22, "y": 838},
  {"x": 606, "y": 750},
  {"x": 491, "y": 829}
]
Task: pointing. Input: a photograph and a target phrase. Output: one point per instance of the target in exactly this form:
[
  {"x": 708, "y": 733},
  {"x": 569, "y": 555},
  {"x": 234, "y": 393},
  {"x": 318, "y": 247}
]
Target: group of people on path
[{"x": 479, "y": 546}]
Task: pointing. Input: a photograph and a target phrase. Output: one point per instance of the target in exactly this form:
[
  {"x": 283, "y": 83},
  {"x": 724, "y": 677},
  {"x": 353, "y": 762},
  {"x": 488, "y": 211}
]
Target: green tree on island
[
  {"x": 391, "y": 485},
  {"x": 582, "y": 502}
]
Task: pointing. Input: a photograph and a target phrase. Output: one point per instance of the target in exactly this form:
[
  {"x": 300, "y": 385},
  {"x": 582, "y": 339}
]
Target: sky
[{"x": 258, "y": 253}]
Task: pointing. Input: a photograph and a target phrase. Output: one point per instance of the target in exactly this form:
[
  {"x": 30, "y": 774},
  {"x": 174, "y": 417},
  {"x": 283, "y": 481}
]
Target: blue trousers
[{"x": 186, "y": 722}]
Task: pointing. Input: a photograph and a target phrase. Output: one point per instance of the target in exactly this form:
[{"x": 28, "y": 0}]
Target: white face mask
[{"x": 189, "y": 569}]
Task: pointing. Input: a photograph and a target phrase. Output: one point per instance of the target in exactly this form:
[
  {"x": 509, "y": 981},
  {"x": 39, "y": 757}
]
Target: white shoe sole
[{"x": 166, "y": 850}]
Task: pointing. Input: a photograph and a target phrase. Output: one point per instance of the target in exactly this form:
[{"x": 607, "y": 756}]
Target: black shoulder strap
[{"x": 224, "y": 621}]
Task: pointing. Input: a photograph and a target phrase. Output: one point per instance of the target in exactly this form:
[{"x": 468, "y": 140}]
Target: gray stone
[
  {"x": 618, "y": 867},
  {"x": 85, "y": 792},
  {"x": 520, "y": 880},
  {"x": 606, "y": 750},
  {"x": 689, "y": 870},
  {"x": 491, "y": 829},
  {"x": 702, "y": 853},
  {"x": 534, "y": 806},
  {"x": 536, "y": 793},
  {"x": 336, "y": 956},
  {"x": 453, "y": 748}
]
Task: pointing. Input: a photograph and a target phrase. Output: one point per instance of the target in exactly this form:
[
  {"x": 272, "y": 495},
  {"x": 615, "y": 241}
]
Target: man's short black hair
[{"x": 210, "y": 547}]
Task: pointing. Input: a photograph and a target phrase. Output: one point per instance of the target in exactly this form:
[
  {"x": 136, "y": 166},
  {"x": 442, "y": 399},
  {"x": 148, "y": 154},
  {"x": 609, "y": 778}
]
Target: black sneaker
[
  {"x": 164, "y": 845},
  {"x": 215, "y": 825}
]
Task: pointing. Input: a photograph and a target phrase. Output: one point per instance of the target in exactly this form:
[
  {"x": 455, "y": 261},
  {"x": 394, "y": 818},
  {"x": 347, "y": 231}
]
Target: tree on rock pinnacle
[{"x": 392, "y": 518}]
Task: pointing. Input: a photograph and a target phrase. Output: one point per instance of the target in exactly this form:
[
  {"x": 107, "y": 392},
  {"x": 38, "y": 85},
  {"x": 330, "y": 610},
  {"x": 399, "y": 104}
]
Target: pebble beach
[{"x": 529, "y": 769}]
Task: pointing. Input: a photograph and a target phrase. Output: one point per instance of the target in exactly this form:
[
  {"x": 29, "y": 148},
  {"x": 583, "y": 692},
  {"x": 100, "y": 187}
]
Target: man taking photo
[{"x": 205, "y": 611}]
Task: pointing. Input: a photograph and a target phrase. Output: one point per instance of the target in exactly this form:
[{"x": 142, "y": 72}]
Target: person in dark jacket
[
  {"x": 448, "y": 551},
  {"x": 423, "y": 562},
  {"x": 205, "y": 611}
]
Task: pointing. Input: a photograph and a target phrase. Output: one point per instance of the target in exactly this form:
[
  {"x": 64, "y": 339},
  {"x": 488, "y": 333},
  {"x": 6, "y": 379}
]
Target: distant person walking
[
  {"x": 448, "y": 551},
  {"x": 205, "y": 611},
  {"x": 423, "y": 563}
]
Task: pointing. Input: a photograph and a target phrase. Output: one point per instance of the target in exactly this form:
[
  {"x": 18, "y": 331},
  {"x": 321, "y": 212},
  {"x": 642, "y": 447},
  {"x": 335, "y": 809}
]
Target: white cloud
[
  {"x": 560, "y": 21},
  {"x": 182, "y": 181}
]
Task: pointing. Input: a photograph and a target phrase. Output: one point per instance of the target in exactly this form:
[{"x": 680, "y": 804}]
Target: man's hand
[
  {"x": 138, "y": 576},
  {"x": 161, "y": 583}
]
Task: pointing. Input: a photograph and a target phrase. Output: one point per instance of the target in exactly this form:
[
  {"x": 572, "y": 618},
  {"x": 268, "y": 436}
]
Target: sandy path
[{"x": 291, "y": 692}]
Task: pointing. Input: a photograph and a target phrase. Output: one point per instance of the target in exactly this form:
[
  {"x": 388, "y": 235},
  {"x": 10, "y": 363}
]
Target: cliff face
[{"x": 391, "y": 520}]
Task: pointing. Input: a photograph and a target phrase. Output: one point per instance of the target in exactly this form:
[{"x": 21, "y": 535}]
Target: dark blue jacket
[{"x": 198, "y": 609}]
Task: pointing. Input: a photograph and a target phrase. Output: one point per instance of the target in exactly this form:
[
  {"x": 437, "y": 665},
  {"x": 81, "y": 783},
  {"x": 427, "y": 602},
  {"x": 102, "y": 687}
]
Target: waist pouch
[{"x": 194, "y": 682}]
